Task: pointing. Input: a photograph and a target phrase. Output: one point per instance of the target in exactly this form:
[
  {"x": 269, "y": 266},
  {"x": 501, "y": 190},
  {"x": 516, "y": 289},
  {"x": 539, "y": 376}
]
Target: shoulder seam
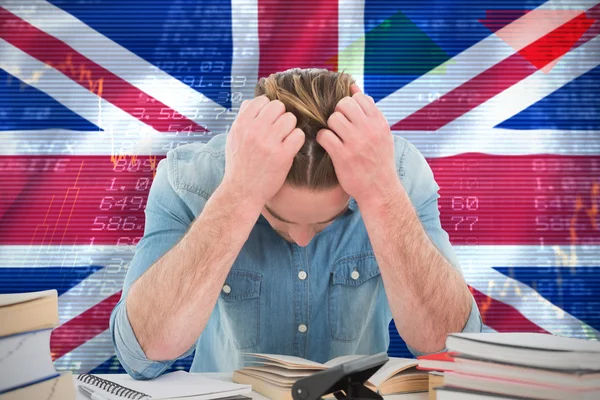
[
  {"x": 401, "y": 170},
  {"x": 191, "y": 188}
]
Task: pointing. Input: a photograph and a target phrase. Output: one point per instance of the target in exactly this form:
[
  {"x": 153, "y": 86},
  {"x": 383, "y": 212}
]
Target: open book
[{"x": 274, "y": 375}]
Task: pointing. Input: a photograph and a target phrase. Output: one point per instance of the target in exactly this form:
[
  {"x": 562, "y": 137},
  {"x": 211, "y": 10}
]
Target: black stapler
[{"x": 345, "y": 381}]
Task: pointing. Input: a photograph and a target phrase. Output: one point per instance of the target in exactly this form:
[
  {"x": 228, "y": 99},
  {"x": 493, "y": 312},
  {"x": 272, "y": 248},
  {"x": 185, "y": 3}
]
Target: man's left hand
[{"x": 362, "y": 147}]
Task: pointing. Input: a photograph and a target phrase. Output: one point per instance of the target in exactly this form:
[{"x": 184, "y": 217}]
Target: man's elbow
[{"x": 160, "y": 351}]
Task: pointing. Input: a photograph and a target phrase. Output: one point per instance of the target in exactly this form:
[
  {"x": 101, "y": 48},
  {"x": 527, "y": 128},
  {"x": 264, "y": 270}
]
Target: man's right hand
[{"x": 260, "y": 148}]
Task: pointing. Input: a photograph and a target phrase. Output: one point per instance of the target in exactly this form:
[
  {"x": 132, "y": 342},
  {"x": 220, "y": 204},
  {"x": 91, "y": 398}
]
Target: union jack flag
[{"x": 500, "y": 96}]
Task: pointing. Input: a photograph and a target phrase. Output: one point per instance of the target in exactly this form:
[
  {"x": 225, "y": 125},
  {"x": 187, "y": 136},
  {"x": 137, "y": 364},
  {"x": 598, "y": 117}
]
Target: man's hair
[{"x": 311, "y": 95}]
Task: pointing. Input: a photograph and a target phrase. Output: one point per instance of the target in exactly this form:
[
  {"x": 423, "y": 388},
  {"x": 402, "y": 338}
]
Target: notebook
[{"x": 174, "y": 385}]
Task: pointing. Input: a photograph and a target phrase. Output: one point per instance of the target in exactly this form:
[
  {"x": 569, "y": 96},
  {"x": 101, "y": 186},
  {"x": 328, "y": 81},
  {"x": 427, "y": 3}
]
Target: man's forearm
[
  {"x": 170, "y": 304},
  {"x": 427, "y": 296}
]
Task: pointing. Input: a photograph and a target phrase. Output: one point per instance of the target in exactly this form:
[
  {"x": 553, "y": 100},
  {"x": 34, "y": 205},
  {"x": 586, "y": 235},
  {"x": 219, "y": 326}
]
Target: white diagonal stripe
[
  {"x": 96, "y": 287},
  {"x": 120, "y": 61},
  {"x": 88, "y": 356},
  {"x": 86, "y": 104},
  {"x": 92, "y": 290},
  {"x": 529, "y": 90},
  {"x": 477, "y": 264},
  {"x": 476, "y": 59},
  {"x": 529, "y": 303}
]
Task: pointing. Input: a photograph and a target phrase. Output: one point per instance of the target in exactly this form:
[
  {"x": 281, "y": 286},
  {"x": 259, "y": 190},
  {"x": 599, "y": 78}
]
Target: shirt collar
[{"x": 352, "y": 205}]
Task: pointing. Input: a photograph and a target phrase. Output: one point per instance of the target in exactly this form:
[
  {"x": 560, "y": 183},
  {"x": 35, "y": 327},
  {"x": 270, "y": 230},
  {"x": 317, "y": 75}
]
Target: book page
[
  {"x": 342, "y": 359},
  {"x": 271, "y": 378},
  {"x": 277, "y": 370},
  {"x": 260, "y": 363},
  {"x": 287, "y": 360},
  {"x": 390, "y": 368},
  {"x": 16, "y": 298}
]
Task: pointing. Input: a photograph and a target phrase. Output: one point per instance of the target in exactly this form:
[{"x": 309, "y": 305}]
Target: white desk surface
[{"x": 256, "y": 396}]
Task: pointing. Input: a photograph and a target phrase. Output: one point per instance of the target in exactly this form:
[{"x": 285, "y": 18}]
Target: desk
[{"x": 256, "y": 396}]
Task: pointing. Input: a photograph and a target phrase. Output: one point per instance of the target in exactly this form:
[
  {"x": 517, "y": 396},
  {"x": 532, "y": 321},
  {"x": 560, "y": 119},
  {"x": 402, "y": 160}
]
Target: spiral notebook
[{"x": 174, "y": 385}]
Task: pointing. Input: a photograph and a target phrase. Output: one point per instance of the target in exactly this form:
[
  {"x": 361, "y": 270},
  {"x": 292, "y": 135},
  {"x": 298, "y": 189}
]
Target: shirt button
[
  {"x": 302, "y": 328},
  {"x": 302, "y": 275},
  {"x": 226, "y": 288},
  {"x": 354, "y": 275}
]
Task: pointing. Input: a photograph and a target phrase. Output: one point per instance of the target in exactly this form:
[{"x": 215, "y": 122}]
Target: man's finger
[
  {"x": 255, "y": 105},
  {"x": 244, "y": 105},
  {"x": 284, "y": 125},
  {"x": 338, "y": 123},
  {"x": 365, "y": 104},
  {"x": 351, "y": 109},
  {"x": 294, "y": 141},
  {"x": 330, "y": 142},
  {"x": 354, "y": 89},
  {"x": 272, "y": 111}
]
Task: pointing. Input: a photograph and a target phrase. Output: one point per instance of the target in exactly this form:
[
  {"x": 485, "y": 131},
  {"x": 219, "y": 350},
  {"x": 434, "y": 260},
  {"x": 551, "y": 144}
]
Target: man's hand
[
  {"x": 362, "y": 147},
  {"x": 260, "y": 149}
]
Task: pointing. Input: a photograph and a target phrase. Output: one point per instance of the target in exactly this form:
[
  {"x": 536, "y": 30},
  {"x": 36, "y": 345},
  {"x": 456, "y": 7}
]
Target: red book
[{"x": 436, "y": 362}]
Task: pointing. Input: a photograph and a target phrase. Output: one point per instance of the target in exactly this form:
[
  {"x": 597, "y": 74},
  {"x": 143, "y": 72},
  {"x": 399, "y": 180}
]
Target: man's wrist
[
  {"x": 383, "y": 193},
  {"x": 243, "y": 203}
]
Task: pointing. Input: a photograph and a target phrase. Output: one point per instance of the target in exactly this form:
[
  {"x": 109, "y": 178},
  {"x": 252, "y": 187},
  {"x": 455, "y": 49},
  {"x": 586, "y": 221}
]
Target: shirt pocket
[
  {"x": 352, "y": 294},
  {"x": 240, "y": 299}
]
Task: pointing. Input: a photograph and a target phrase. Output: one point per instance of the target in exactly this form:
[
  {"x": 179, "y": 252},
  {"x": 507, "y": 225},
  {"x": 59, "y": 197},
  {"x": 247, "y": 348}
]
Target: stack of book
[
  {"x": 274, "y": 375},
  {"x": 495, "y": 366},
  {"x": 26, "y": 367}
]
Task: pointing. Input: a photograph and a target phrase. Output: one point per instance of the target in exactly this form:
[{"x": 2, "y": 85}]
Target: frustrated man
[{"x": 303, "y": 231}]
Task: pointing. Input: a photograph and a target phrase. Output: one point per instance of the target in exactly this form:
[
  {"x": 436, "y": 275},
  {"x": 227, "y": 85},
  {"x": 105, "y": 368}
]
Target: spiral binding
[{"x": 111, "y": 387}]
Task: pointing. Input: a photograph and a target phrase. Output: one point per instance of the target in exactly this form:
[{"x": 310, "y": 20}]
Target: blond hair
[{"x": 311, "y": 95}]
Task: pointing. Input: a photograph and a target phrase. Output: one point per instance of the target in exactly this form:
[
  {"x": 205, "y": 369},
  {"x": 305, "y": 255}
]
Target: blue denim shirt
[{"x": 318, "y": 302}]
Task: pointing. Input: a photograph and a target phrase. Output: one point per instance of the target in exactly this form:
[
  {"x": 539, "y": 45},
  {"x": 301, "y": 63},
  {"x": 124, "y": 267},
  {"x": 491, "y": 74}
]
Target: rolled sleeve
[
  {"x": 423, "y": 191},
  {"x": 128, "y": 349},
  {"x": 167, "y": 220}
]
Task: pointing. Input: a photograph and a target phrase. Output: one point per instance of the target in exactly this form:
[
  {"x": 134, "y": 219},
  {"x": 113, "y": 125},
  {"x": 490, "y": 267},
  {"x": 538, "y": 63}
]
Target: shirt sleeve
[
  {"x": 167, "y": 220},
  {"x": 422, "y": 189}
]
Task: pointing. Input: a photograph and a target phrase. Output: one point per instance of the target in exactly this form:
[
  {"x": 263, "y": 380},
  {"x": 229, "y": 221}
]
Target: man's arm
[
  {"x": 427, "y": 294},
  {"x": 148, "y": 324},
  {"x": 169, "y": 305},
  {"x": 176, "y": 276}
]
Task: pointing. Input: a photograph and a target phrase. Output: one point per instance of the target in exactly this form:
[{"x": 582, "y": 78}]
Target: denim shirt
[{"x": 317, "y": 302}]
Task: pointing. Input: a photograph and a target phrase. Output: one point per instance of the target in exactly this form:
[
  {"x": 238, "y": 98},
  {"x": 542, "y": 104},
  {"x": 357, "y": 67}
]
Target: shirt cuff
[
  {"x": 129, "y": 351},
  {"x": 474, "y": 323}
]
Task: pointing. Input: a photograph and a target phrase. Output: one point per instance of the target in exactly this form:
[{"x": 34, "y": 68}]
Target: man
[{"x": 300, "y": 233}]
